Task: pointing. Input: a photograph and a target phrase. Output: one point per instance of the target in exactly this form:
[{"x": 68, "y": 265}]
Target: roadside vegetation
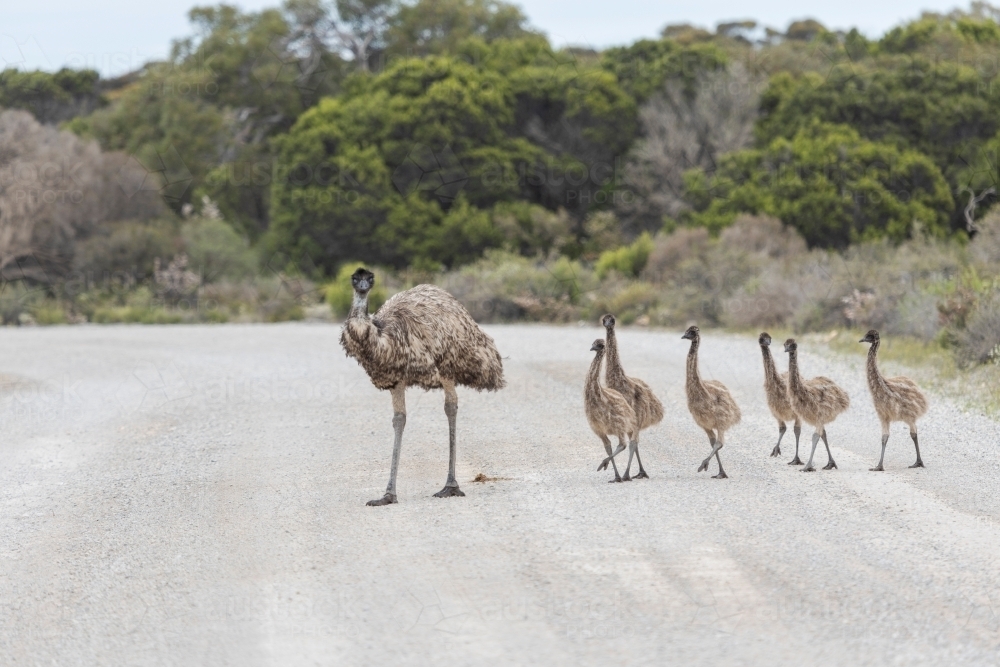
[{"x": 743, "y": 177}]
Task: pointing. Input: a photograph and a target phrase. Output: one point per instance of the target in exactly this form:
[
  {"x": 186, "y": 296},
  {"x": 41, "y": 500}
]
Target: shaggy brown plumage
[
  {"x": 421, "y": 337},
  {"x": 896, "y": 399},
  {"x": 817, "y": 402},
  {"x": 607, "y": 411},
  {"x": 710, "y": 403},
  {"x": 778, "y": 401},
  {"x": 648, "y": 408}
]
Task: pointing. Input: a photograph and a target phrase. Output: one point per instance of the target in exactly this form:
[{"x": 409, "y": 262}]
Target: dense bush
[
  {"x": 831, "y": 185},
  {"x": 216, "y": 251},
  {"x": 627, "y": 260},
  {"x": 124, "y": 253},
  {"x": 56, "y": 189}
]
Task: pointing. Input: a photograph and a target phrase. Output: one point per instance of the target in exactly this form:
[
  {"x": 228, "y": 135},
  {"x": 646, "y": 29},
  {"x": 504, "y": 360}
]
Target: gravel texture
[{"x": 195, "y": 496}]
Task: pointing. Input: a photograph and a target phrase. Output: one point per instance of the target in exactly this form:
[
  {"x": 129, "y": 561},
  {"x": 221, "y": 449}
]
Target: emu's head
[
  {"x": 870, "y": 337},
  {"x": 608, "y": 321},
  {"x": 598, "y": 346},
  {"x": 764, "y": 339},
  {"x": 693, "y": 333},
  {"x": 791, "y": 345},
  {"x": 362, "y": 281}
]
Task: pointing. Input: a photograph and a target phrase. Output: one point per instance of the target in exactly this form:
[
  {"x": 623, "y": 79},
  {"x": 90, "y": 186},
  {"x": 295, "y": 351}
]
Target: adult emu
[{"x": 422, "y": 337}]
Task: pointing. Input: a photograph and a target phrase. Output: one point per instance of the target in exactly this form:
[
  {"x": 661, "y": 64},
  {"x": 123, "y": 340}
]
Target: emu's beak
[
  {"x": 863, "y": 340},
  {"x": 593, "y": 348}
]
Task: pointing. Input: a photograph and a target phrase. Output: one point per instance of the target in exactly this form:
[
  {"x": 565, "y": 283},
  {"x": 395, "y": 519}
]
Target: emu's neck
[
  {"x": 770, "y": 372},
  {"x": 875, "y": 378},
  {"x": 794, "y": 379},
  {"x": 359, "y": 307},
  {"x": 613, "y": 368},
  {"x": 594, "y": 375},
  {"x": 693, "y": 377}
]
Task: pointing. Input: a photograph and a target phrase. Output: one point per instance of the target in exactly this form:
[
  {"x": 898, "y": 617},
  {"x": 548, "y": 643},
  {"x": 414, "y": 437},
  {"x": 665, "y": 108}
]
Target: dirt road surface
[{"x": 196, "y": 496}]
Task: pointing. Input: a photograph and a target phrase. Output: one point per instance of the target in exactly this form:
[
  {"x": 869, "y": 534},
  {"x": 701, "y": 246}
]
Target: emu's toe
[
  {"x": 448, "y": 492},
  {"x": 387, "y": 499}
]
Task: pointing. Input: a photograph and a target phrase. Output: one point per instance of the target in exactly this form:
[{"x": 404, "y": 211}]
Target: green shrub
[
  {"x": 835, "y": 187},
  {"x": 215, "y": 251},
  {"x": 627, "y": 260},
  {"x": 49, "y": 312},
  {"x": 135, "y": 315},
  {"x": 628, "y": 302}
]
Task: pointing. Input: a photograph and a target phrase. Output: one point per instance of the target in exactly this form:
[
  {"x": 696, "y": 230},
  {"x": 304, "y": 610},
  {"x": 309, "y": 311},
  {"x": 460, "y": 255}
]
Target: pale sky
[{"x": 116, "y": 36}]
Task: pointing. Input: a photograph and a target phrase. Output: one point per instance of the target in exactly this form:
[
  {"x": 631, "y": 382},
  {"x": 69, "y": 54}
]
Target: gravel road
[{"x": 196, "y": 496}]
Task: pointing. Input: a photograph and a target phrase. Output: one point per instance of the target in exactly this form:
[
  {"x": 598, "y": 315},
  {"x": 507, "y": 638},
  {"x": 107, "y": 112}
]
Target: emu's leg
[
  {"x": 611, "y": 456},
  {"x": 722, "y": 441},
  {"x": 642, "y": 473},
  {"x": 621, "y": 445},
  {"x": 450, "y": 409},
  {"x": 781, "y": 434},
  {"x": 831, "y": 464},
  {"x": 797, "y": 431},
  {"x": 398, "y": 422},
  {"x": 913, "y": 434},
  {"x": 716, "y": 446},
  {"x": 631, "y": 452},
  {"x": 885, "y": 439},
  {"x": 809, "y": 465}
]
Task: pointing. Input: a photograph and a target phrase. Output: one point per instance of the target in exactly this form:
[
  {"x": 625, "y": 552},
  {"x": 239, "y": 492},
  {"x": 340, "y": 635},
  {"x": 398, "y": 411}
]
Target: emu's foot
[
  {"x": 704, "y": 465},
  {"x": 607, "y": 460},
  {"x": 809, "y": 469},
  {"x": 615, "y": 480},
  {"x": 387, "y": 499},
  {"x": 448, "y": 492},
  {"x": 776, "y": 451},
  {"x": 877, "y": 468},
  {"x": 796, "y": 461},
  {"x": 918, "y": 464},
  {"x": 830, "y": 466},
  {"x": 721, "y": 475},
  {"x": 642, "y": 475},
  {"x": 626, "y": 477}
]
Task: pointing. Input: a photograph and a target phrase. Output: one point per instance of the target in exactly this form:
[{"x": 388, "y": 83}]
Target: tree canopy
[{"x": 428, "y": 131}]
